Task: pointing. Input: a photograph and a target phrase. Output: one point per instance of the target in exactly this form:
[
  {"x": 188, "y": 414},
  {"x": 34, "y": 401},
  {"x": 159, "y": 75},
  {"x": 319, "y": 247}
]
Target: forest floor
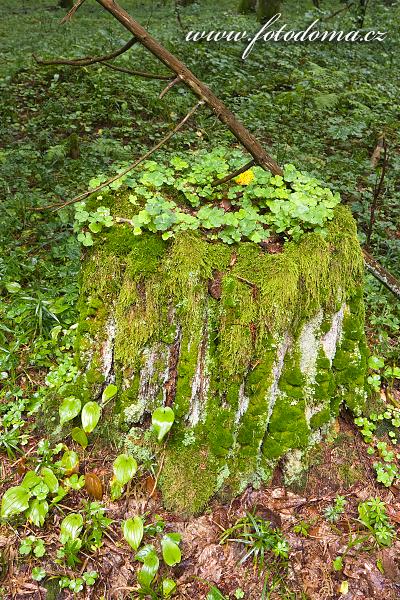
[
  {"x": 324, "y": 107},
  {"x": 340, "y": 467}
]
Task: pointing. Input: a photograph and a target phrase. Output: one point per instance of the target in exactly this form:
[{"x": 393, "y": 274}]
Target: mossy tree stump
[{"x": 255, "y": 352}]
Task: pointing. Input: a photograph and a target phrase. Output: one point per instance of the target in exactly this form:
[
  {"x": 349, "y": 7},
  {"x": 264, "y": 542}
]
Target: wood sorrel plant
[{"x": 177, "y": 196}]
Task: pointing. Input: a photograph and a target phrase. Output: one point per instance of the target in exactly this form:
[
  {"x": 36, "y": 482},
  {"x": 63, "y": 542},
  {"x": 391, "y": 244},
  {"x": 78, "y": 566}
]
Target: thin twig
[
  {"x": 71, "y": 13},
  {"x": 349, "y": 5},
  {"x": 178, "y": 16},
  {"x": 169, "y": 87},
  {"x": 245, "y": 167},
  {"x": 128, "y": 169},
  {"x": 246, "y": 281},
  {"x": 377, "y": 193},
  {"x": 86, "y": 60},
  {"x": 382, "y": 274},
  {"x": 144, "y": 74}
]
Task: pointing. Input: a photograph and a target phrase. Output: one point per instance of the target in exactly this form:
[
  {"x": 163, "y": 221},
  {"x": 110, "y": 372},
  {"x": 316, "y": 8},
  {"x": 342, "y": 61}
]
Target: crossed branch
[{"x": 206, "y": 97}]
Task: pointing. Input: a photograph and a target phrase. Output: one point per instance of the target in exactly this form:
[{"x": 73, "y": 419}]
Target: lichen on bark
[{"x": 255, "y": 352}]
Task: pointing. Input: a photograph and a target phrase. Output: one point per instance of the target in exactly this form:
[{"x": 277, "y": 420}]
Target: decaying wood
[
  {"x": 169, "y": 87},
  {"x": 378, "y": 189},
  {"x": 382, "y": 274},
  {"x": 376, "y": 155}
]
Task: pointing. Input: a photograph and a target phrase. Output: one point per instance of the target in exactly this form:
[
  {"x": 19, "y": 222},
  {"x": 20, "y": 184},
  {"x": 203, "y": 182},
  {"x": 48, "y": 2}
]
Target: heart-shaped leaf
[
  {"x": 149, "y": 570},
  {"x": 50, "y": 480},
  {"x": 133, "y": 532},
  {"x": 162, "y": 420},
  {"x": 79, "y": 436},
  {"x": 37, "y": 512},
  {"x": 170, "y": 551},
  {"x": 90, "y": 416},
  {"x": 71, "y": 527},
  {"x": 376, "y": 362},
  {"x": 109, "y": 392},
  {"x": 124, "y": 468},
  {"x": 14, "y": 501},
  {"x": 95, "y": 227},
  {"x": 69, "y": 409}
]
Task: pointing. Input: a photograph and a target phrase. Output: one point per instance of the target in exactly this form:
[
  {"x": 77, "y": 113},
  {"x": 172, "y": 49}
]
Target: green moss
[
  {"x": 227, "y": 346},
  {"x": 320, "y": 418},
  {"x": 189, "y": 478}
]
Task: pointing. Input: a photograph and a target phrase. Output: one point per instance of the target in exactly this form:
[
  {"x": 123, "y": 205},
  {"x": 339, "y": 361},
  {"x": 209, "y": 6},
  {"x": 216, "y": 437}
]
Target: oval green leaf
[
  {"x": 71, "y": 527},
  {"x": 124, "y": 468},
  {"x": 162, "y": 420},
  {"x": 149, "y": 570},
  {"x": 79, "y": 436},
  {"x": 69, "y": 409},
  {"x": 37, "y": 512},
  {"x": 109, "y": 392},
  {"x": 50, "y": 480},
  {"x": 14, "y": 501},
  {"x": 170, "y": 551},
  {"x": 69, "y": 462},
  {"x": 30, "y": 480},
  {"x": 133, "y": 532},
  {"x": 168, "y": 587},
  {"x": 90, "y": 416}
]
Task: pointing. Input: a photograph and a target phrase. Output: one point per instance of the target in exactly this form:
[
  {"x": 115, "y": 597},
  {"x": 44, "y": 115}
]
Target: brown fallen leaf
[{"x": 93, "y": 486}]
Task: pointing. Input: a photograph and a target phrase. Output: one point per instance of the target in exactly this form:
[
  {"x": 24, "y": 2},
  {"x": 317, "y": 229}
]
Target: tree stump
[{"x": 255, "y": 352}]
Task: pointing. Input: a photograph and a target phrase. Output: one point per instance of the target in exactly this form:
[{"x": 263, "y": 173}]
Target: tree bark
[
  {"x": 247, "y": 6},
  {"x": 266, "y": 9}
]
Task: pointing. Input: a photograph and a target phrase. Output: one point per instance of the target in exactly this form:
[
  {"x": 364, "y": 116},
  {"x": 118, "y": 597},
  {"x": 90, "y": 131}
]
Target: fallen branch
[
  {"x": 128, "y": 169},
  {"x": 86, "y": 60},
  {"x": 243, "y": 169},
  {"x": 71, "y": 13},
  {"x": 202, "y": 91},
  {"x": 377, "y": 194},
  {"x": 169, "y": 87},
  {"x": 382, "y": 274}
]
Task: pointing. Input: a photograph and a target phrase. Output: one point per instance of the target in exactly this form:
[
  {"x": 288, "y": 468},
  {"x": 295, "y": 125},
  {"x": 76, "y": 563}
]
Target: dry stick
[
  {"x": 73, "y": 10},
  {"x": 349, "y": 5},
  {"x": 169, "y": 87},
  {"x": 87, "y": 60},
  {"x": 144, "y": 74},
  {"x": 202, "y": 91},
  {"x": 377, "y": 193},
  {"x": 245, "y": 167},
  {"x": 131, "y": 167},
  {"x": 382, "y": 274}
]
